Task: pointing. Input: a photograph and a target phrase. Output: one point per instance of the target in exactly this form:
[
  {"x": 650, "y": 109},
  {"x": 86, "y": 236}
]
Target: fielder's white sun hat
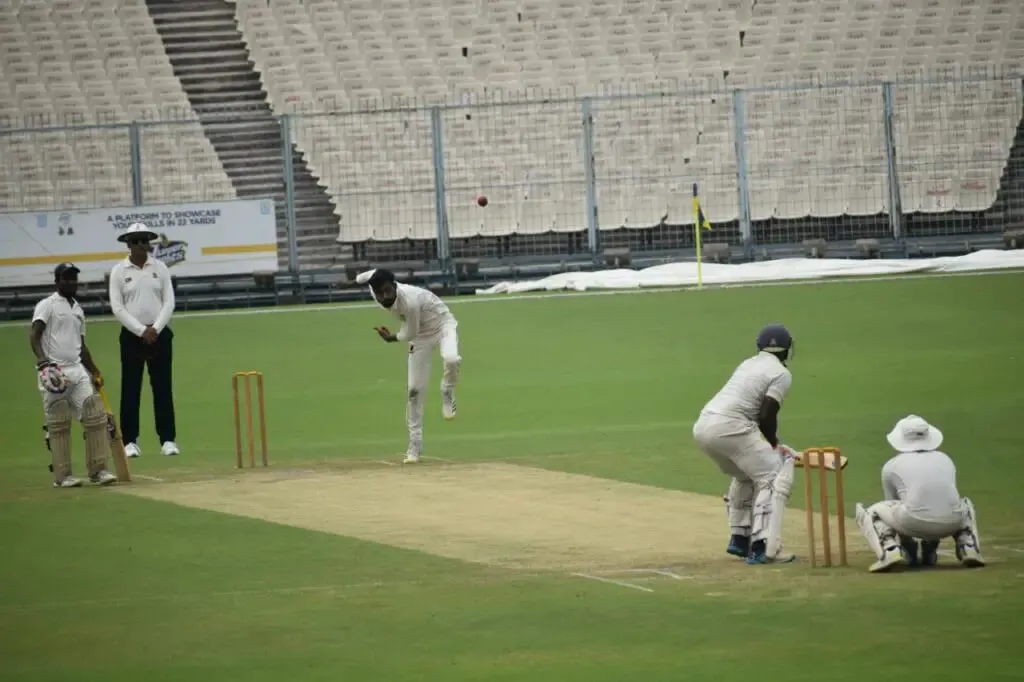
[
  {"x": 913, "y": 433},
  {"x": 137, "y": 230}
]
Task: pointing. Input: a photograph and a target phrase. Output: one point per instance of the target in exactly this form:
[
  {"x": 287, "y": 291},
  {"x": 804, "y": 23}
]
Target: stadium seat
[
  {"x": 93, "y": 63},
  {"x": 809, "y": 152}
]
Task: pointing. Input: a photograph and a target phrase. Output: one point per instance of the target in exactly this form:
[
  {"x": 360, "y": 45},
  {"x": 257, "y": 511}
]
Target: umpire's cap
[{"x": 137, "y": 230}]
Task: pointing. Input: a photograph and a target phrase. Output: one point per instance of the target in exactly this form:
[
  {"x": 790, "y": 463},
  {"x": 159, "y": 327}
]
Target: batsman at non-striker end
[
  {"x": 427, "y": 323},
  {"x": 67, "y": 381}
]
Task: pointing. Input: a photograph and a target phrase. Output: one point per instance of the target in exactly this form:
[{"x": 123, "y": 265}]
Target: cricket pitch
[{"x": 498, "y": 514}]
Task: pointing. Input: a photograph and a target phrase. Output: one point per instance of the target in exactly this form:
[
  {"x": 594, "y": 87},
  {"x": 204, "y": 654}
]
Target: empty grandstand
[{"x": 375, "y": 124}]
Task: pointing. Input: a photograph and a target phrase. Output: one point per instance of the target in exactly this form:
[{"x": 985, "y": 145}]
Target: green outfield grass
[{"x": 571, "y": 455}]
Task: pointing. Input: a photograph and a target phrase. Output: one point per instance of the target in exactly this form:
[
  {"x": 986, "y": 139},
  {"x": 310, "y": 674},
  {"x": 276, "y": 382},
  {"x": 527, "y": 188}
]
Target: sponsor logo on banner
[{"x": 170, "y": 252}]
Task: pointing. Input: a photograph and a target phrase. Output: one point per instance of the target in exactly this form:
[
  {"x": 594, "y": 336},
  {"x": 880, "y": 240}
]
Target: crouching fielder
[
  {"x": 922, "y": 503},
  {"x": 738, "y": 429},
  {"x": 67, "y": 376},
  {"x": 427, "y": 323}
]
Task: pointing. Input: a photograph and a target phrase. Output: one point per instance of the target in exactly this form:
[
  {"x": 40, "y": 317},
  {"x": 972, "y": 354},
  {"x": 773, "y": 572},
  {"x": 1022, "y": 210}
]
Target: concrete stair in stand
[{"x": 210, "y": 58}]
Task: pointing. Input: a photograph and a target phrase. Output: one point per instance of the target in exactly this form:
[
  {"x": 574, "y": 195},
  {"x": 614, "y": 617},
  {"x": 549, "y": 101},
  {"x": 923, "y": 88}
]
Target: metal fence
[{"x": 928, "y": 157}]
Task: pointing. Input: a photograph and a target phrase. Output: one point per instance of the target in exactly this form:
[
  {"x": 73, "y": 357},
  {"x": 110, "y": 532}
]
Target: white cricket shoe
[
  {"x": 103, "y": 477},
  {"x": 132, "y": 450},
  {"x": 412, "y": 453},
  {"x": 448, "y": 403},
  {"x": 893, "y": 557},
  {"x": 68, "y": 482},
  {"x": 971, "y": 558},
  {"x": 169, "y": 449}
]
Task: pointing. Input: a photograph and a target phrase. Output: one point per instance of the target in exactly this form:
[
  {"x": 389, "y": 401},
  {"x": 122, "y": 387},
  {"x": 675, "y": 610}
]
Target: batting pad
[
  {"x": 94, "y": 421},
  {"x": 58, "y": 428},
  {"x": 498, "y": 514}
]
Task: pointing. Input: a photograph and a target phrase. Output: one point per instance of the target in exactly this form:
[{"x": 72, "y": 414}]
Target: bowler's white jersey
[
  {"x": 422, "y": 313},
  {"x": 741, "y": 397},
  {"x": 65, "y": 327},
  {"x": 925, "y": 482}
]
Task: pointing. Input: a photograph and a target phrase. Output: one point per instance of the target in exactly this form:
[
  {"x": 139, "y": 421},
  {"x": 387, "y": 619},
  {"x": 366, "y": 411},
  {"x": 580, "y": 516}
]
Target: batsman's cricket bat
[{"x": 116, "y": 444}]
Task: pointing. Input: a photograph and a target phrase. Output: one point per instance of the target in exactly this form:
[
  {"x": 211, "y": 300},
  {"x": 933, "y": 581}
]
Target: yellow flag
[{"x": 698, "y": 215}]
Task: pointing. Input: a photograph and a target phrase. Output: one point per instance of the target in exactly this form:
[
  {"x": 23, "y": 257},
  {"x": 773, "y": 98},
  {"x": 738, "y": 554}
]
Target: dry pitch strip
[{"x": 501, "y": 515}]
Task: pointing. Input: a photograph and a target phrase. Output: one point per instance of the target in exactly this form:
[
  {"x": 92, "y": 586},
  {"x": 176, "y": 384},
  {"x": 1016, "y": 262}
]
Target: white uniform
[
  {"x": 921, "y": 501},
  {"x": 727, "y": 429},
  {"x": 921, "y": 496},
  {"x": 62, "y": 343},
  {"x": 728, "y": 432},
  {"x": 141, "y": 297},
  {"x": 427, "y": 323}
]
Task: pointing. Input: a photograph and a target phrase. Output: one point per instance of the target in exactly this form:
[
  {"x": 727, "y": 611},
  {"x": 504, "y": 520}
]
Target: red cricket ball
[{"x": 482, "y": 200}]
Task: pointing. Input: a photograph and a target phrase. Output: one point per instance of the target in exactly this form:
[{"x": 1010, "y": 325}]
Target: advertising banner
[{"x": 201, "y": 239}]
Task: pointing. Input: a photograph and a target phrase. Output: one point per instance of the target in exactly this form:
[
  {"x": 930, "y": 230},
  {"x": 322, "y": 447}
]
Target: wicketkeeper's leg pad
[
  {"x": 968, "y": 541},
  {"x": 58, "y": 428},
  {"x": 97, "y": 445}
]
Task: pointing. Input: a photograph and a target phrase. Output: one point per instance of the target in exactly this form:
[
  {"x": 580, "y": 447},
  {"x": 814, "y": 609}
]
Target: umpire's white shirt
[
  {"x": 423, "y": 314},
  {"x": 739, "y": 401},
  {"x": 925, "y": 482},
  {"x": 65, "y": 327},
  {"x": 141, "y": 297}
]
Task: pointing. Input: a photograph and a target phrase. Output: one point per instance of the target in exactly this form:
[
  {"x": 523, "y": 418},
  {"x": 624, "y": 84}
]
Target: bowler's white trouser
[
  {"x": 80, "y": 387},
  {"x": 894, "y": 514},
  {"x": 420, "y": 357}
]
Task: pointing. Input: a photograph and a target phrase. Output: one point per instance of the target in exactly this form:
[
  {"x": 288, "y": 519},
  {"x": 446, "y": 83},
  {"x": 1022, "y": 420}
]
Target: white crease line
[
  {"x": 646, "y": 571},
  {"x": 148, "y": 478},
  {"x": 620, "y": 583},
  {"x": 485, "y": 298},
  {"x": 1010, "y": 549},
  {"x": 383, "y": 461},
  {"x": 670, "y": 574}
]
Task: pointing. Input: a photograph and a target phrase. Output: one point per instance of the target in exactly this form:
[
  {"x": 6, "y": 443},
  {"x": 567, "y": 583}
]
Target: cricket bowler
[
  {"x": 738, "y": 430},
  {"x": 427, "y": 323},
  {"x": 921, "y": 503},
  {"x": 67, "y": 380}
]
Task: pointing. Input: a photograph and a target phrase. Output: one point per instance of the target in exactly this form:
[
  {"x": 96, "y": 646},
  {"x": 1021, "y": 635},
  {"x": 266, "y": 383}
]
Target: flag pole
[{"x": 696, "y": 236}]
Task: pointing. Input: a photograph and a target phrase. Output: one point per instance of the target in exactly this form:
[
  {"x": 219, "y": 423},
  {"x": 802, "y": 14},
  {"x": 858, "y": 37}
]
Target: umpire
[{"x": 142, "y": 300}]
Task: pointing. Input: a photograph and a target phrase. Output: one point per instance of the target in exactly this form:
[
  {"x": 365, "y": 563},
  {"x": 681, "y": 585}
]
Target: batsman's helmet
[{"x": 777, "y": 340}]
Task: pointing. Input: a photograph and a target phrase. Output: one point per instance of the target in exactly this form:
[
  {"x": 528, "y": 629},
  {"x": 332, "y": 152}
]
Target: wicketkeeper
[
  {"x": 68, "y": 379},
  {"x": 921, "y": 503}
]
